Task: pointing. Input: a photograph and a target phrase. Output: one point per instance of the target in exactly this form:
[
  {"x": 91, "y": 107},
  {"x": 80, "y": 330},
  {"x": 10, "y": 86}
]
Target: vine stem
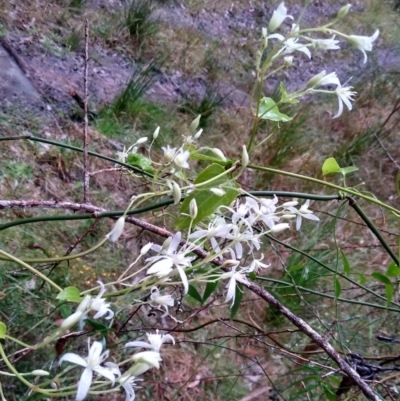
[
  {"x": 327, "y": 184},
  {"x": 86, "y": 175}
]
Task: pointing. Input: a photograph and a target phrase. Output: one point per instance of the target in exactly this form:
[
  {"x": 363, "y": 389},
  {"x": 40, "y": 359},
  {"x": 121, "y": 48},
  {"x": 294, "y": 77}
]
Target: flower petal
[
  {"x": 84, "y": 384},
  {"x": 73, "y": 358},
  {"x": 105, "y": 373}
]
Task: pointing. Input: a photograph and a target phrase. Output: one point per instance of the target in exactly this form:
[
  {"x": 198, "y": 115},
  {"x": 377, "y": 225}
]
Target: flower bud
[
  {"x": 146, "y": 248},
  {"x": 343, "y": 11},
  {"x": 40, "y": 372},
  {"x": 278, "y": 16},
  {"x": 116, "y": 232},
  {"x": 219, "y": 154},
  {"x": 193, "y": 209},
  {"x": 71, "y": 320},
  {"x": 245, "y": 157},
  {"x": 199, "y": 132},
  {"x": 290, "y": 203},
  {"x": 150, "y": 358},
  {"x": 314, "y": 81},
  {"x": 217, "y": 191},
  {"x": 156, "y": 132},
  {"x": 194, "y": 124},
  {"x": 279, "y": 227},
  {"x": 288, "y": 61},
  {"x": 176, "y": 192},
  {"x": 288, "y": 216},
  {"x": 141, "y": 140}
]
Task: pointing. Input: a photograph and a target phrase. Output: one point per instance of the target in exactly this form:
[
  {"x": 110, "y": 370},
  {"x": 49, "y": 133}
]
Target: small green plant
[
  {"x": 130, "y": 99},
  {"x": 206, "y": 106},
  {"x": 77, "y": 4},
  {"x": 74, "y": 40},
  {"x": 139, "y": 22}
]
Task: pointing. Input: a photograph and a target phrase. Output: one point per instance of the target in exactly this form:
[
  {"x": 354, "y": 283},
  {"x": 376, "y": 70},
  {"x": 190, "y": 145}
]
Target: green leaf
[
  {"x": 330, "y": 166},
  {"x": 393, "y": 270},
  {"x": 347, "y": 170},
  {"x": 102, "y": 328},
  {"x": 210, "y": 288},
  {"x": 346, "y": 264},
  {"x": 338, "y": 288},
  {"x": 286, "y": 98},
  {"x": 238, "y": 300},
  {"x": 207, "y": 202},
  {"x": 65, "y": 310},
  {"x": 381, "y": 277},
  {"x": 295, "y": 268},
  {"x": 389, "y": 294},
  {"x": 268, "y": 110},
  {"x": 71, "y": 294},
  {"x": 140, "y": 161},
  {"x": 3, "y": 330},
  {"x": 329, "y": 392},
  {"x": 195, "y": 294},
  {"x": 388, "y": 286},
  {"x": 362, "y": 279}
]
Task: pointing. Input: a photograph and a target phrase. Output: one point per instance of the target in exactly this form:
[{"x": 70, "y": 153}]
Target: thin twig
[{"x": 86, "y": 175}]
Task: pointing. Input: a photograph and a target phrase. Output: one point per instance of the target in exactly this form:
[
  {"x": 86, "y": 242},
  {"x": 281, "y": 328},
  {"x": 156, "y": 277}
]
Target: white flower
[
  {"x": 291, "y": 45},
  {"x": 345, "y": 95},
  {"x": 99, "y": 304},
  {"x": 128, "y": 384},
  {"x": 304, "y": 212},
  {"x": 278, "y": 16},
  {"x": 181, "y": 159},
  {"x": 256, "y": 265},
  {"x": 326, "y": 44},
  {"x": 117, "y": 230},
  {"x": 323, "y": 79},
  {"x": 266, "y": 212},
  {"x": 169, "y": 257},
  {"x": 237, "y": 237},
  {"x": 161, "y": 300},
  {"x": 169, "y": 153},
  {"x": 127, "y": 381},
  {"x": 155, "y": 341},
  {"x": 363, "y": 43},
  {"x": 234, "y": 277},
  {"x": 91, "y": 364}
]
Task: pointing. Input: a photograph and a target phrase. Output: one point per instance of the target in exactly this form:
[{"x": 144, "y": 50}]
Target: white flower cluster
[
  {"x": 232, "y": 230},
  {"x": 298, "y": 40},
  {"x": 92, "y": 364}
]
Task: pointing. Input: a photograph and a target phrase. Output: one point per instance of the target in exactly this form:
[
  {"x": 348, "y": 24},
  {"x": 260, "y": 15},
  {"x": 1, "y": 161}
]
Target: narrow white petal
[
  {"x": 231, "y": 290},
  {"x": 105, "y": 373},
  {"x": 84, "y": 384},
  {"x": 138, "y": 344},
  {"x": 184, "y": 279},
  {"x": 95, "y": 350},
  {"x": 73, "y": 358}
]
